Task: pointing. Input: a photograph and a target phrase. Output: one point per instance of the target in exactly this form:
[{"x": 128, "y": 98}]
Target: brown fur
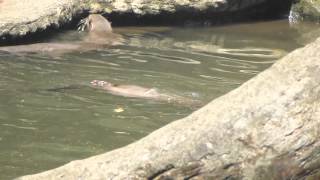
[{"x": 100, "y": 31}]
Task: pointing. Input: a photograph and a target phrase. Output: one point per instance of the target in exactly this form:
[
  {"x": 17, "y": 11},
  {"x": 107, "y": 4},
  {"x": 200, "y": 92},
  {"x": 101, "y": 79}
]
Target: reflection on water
[{"x": 42, "y": 128}]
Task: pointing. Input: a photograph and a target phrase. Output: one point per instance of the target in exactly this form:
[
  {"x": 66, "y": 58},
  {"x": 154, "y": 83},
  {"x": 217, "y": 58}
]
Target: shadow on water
[{"x": 49, "y": 115}]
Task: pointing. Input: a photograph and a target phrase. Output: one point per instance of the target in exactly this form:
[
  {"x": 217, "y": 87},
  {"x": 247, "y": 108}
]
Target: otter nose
[{"x": 94, "y": 82}]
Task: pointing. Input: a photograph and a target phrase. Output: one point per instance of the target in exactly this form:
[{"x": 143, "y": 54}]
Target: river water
[{"x": 44, "y": 125}]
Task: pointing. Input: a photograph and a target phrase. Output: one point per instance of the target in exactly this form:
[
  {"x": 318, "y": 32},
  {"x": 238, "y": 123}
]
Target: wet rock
[
  {"x": 305, "y": 10},
  {"x": 19, "y": 18},
  {"x": 22, "y": 17},
  {"x": 268, "y": 128},
  {"x": 190, "y": 12}
]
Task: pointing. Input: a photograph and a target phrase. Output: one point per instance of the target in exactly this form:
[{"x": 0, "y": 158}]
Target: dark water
[{"x": 42, "y": 129}]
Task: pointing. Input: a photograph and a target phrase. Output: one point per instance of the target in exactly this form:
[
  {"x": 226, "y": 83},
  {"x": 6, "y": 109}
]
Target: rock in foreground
[{"x": 268, "y": 128}]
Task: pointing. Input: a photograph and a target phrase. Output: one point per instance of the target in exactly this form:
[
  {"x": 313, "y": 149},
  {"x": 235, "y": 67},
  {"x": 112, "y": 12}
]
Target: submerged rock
[
  {"x": 144, "y": 93},
  {"x": 268, "y": 128}
]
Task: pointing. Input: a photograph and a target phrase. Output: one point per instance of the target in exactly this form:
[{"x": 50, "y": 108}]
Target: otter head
[
  {"x": 100, "y": 31},
  {"x": 97, "y": 23},
  {"x": 101, "y": 83}
]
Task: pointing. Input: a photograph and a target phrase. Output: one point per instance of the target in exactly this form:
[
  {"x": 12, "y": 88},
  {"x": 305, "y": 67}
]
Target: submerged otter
[
  {"x": 143, "y": 92},
  {"x": 99, "y": 35},
  {"x": 134, "y": 91}
]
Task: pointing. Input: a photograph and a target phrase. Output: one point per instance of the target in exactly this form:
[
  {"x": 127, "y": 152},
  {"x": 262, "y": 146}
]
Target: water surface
[{"x": 41, "y": 128}]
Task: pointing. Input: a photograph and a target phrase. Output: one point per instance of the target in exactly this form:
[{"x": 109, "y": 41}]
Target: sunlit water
[{"x": 41, "y": 128}]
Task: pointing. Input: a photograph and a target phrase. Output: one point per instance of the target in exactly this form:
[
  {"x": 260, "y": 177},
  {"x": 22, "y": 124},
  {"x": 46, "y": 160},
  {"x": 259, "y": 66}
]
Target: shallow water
[{"x": 42, "y": 127}]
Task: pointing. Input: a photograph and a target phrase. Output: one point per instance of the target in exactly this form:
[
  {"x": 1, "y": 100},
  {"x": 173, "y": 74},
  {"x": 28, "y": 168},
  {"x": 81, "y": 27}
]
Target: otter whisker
[{"x": 82, "y": 25}]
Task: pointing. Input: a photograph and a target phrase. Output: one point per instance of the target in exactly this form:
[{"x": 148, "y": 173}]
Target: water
[{"x": 41, "y": 128}]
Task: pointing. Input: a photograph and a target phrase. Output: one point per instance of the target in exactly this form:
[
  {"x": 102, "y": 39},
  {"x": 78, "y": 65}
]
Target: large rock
[
  {"x": 155, "y": 7},
  {"x": 268, "y": 128},
  {"x": 305, "y": 10},
  {"x": 21, "y": 17}
]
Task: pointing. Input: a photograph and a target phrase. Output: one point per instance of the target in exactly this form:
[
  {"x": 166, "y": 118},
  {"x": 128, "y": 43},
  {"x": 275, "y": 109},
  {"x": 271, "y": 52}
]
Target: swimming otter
[
  {"x": 143, "y": 92},
  {"x": 126, "y": 90},
  {"x": 99, "y": 35},
  {"x": 100, "y": 31}
]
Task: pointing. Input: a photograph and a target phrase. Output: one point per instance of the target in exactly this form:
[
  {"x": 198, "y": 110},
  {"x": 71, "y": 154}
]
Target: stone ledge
[{"x": 19, "y": 18}]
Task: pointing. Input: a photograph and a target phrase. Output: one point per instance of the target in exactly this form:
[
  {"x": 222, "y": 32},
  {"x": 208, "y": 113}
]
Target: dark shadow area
[{"x": 185, "y": 17}]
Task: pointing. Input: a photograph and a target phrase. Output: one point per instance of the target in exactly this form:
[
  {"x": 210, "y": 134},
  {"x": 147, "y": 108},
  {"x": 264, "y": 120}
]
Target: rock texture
[
  {"x": 155, "y": 7},
  {"x": 268, "y": 128},
  {"x": 21, "y": 17},
  {"x": 305, "y": 10}
]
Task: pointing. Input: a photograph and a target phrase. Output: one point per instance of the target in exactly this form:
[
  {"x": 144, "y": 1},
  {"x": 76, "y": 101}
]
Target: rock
[
  {"x": 142, "y": 7},
  {"x": 268, "y": 128},
  {"x": 190, "y": 12},
  {"x": 19, "y": 18},
  {"x": 305, "y": 10}
]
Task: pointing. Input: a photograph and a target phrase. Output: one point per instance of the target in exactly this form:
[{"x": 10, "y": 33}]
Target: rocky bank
[{"x": 19, "y": 18}]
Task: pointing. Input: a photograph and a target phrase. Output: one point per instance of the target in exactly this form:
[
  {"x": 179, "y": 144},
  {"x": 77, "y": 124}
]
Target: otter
[
  {"x": 99, "y": 31},
  {"x": 99, "y": 35},
  {"x": 143, "y": 92},
  {"x": 126, "y": 90}
]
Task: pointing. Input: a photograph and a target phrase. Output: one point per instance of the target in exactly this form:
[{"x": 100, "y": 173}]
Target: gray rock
[
  {"x": 268, "y": 128},
  {"x": 21, "y": 17}
]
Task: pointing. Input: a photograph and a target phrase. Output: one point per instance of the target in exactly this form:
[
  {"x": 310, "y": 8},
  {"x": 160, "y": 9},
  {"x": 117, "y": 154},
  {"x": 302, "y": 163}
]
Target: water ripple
[
  {"x": 20, "y": 127},
  {"x": 199, "y": 63}
]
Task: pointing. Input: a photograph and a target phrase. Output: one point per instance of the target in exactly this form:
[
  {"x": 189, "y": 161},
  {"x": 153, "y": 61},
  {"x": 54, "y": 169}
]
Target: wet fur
[{"x": 143, "y": 92}]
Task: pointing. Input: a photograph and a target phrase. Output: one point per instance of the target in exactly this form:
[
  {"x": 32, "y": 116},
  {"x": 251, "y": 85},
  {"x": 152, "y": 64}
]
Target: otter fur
[
  {"x": 100, "y": 31},
  {"x": 143, "y": 92}
]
